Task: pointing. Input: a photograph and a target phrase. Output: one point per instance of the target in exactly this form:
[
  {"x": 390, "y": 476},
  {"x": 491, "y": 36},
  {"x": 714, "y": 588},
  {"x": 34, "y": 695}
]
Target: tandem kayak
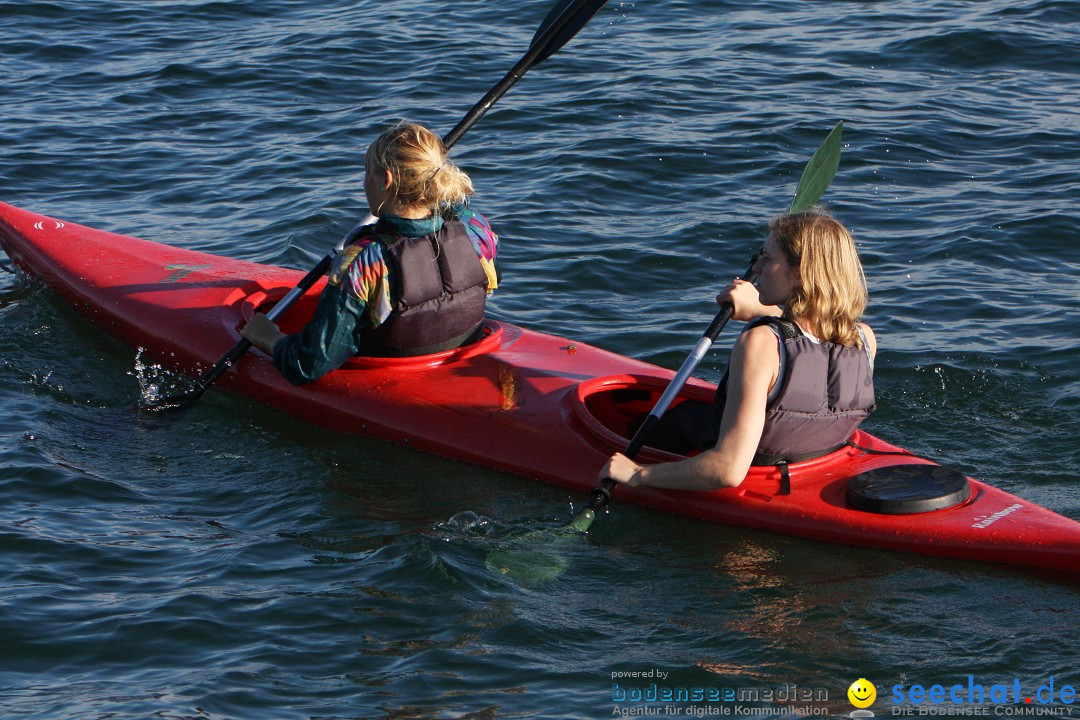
[{"x": 520, "y": 401}]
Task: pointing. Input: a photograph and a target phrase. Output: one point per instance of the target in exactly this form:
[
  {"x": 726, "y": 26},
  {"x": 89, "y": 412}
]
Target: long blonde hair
[
  {"x": 424, "y": 176},
  {"x": 831, "y": 294}
]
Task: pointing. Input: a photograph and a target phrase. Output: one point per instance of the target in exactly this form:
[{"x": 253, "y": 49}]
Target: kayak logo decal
[
  {"x": 985, "y": 521},
  {"x": 181, "y": 271},
  {"x": 40, "y": 225}
]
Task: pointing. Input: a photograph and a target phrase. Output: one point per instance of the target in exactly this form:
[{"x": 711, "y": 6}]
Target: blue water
[{"x": 237, "y": 564}]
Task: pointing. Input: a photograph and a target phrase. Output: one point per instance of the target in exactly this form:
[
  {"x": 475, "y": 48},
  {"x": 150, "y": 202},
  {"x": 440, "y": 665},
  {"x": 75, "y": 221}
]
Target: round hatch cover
[{"x": 906, "y": 489}]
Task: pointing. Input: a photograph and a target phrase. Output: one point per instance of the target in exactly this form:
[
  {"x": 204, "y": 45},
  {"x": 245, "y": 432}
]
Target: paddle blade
[
  {"x": 819, "y": 172},
  {"x": 527, "y": 564},
  {"x": 561, "y": 24},
  {"x": 536, "y": 556},
  {"x": 582, "y": 521},
  {"x": 174, "y": 404}
]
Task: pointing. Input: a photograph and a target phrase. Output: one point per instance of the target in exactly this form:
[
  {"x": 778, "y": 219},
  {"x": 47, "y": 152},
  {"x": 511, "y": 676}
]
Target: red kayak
[{"x": 521, "y": 401}]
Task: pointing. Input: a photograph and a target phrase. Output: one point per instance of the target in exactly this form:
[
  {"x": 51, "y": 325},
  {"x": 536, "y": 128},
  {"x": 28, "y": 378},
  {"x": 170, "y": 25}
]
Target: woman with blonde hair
[
  {"x": 800, "y": 377},
  {"x": 412, "y": 283}
]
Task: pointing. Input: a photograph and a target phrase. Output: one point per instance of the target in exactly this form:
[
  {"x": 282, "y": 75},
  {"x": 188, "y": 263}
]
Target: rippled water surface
[{"x": 237, "y": 564}]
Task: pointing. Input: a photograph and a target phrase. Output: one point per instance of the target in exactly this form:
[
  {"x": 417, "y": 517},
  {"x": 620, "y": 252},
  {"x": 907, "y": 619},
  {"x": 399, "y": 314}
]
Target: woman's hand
[
  {"x": 262, "y": 333},
  {"x": 743, "y": 296},
  {"x": 623, "y": 470}
]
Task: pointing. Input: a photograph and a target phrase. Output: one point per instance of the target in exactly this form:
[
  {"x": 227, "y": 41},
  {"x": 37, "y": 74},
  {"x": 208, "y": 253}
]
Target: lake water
[{"x": 238, "y": 564}]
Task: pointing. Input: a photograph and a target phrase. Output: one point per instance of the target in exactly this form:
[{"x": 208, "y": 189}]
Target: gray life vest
[
  {"x": 438, "y": 289},
  {"x": 824, "y": 391}
]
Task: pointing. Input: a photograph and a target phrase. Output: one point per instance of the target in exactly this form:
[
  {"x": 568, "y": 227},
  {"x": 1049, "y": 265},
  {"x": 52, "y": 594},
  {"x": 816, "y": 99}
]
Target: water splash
[
  {"x": 155, "y": 382},
  {"x": 43, "y": 381},
  {"x": 467, "y": 523}
]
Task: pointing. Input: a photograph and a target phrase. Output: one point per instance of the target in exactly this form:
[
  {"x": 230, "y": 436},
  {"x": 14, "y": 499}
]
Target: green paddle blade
[
  {"x": 819, "y": 172},
  {"x": 527, "y": 564},
  {"x": 583, "y": 520},
  {"x": 534, "y": 557},
  {"x": 539, "y": 555}
]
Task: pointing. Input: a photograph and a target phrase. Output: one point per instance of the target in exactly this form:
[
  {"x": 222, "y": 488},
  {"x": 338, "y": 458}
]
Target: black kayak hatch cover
[{"x": 906, "y": 489}]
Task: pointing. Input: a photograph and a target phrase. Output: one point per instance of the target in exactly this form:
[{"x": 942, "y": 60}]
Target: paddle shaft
[
  {"x": 815, "y": 179},
  {"x": 602, "y": 494},
  {"x": 554, "y": 33}
]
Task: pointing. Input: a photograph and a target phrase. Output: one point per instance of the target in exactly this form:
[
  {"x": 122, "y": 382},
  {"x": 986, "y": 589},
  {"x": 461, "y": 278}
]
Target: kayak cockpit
[{"x": 610, "y": 408}]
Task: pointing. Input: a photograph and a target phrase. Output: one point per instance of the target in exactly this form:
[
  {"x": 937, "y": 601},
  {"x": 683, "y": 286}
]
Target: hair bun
[{"x": 425, "y": 177}]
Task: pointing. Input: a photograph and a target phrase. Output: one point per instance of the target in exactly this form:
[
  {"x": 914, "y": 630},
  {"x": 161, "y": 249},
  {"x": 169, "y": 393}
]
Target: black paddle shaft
[
  {"x": 562, "y": 23},
  {"x": 815, "y": 179},
  {"x": 601, "y": 496}
]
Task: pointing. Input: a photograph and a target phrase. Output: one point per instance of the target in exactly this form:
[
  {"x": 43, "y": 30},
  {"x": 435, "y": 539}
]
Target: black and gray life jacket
[
  {"x": 438, "y": 289},
  {"x": 823, "y": 392}
]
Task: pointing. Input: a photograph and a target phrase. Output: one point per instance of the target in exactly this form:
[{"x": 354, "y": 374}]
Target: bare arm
[{"x": 755, "y": 366}]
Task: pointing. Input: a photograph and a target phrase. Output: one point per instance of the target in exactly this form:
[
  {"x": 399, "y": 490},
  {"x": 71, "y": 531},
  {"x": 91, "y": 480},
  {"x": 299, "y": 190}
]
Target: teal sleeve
[{"x": 331, "y": 337}]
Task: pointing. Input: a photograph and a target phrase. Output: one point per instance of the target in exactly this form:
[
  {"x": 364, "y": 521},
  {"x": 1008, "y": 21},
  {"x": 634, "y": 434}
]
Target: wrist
[{"x": 267, "y": 338}]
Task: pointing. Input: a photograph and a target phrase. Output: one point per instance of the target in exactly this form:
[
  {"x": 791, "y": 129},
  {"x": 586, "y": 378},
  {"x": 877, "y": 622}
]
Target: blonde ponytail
[{"x": 424, "y": 176}]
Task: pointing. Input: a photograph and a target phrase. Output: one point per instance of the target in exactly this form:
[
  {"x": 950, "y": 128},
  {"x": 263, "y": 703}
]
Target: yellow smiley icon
[{"x": 862, "y": 693}]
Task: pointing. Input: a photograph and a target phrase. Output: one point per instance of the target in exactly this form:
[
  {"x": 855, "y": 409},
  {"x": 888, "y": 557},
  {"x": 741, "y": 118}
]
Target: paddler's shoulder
[
  {"x": 479, "y": 229},
  {"x": 871, "y": 338},
  {"x": 364, "y": 251}
]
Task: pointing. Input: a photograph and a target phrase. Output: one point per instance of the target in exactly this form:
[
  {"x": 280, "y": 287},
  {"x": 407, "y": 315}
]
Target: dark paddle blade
[
  {"x": 818, "y": 173},
  {"x": 561, "y": 24}
]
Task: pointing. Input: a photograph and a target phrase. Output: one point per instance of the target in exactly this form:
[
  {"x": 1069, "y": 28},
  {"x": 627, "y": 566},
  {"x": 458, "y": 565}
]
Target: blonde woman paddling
[
  {"x": 413, "y": 283},
  {"x": 800, "y": 377}
]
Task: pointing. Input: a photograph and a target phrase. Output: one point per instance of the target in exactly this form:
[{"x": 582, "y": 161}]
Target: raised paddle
[
  {"x": 534, "y": 557},
  {"x": 562, "y": 23},
  {"x": 815, "y": 180}
]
